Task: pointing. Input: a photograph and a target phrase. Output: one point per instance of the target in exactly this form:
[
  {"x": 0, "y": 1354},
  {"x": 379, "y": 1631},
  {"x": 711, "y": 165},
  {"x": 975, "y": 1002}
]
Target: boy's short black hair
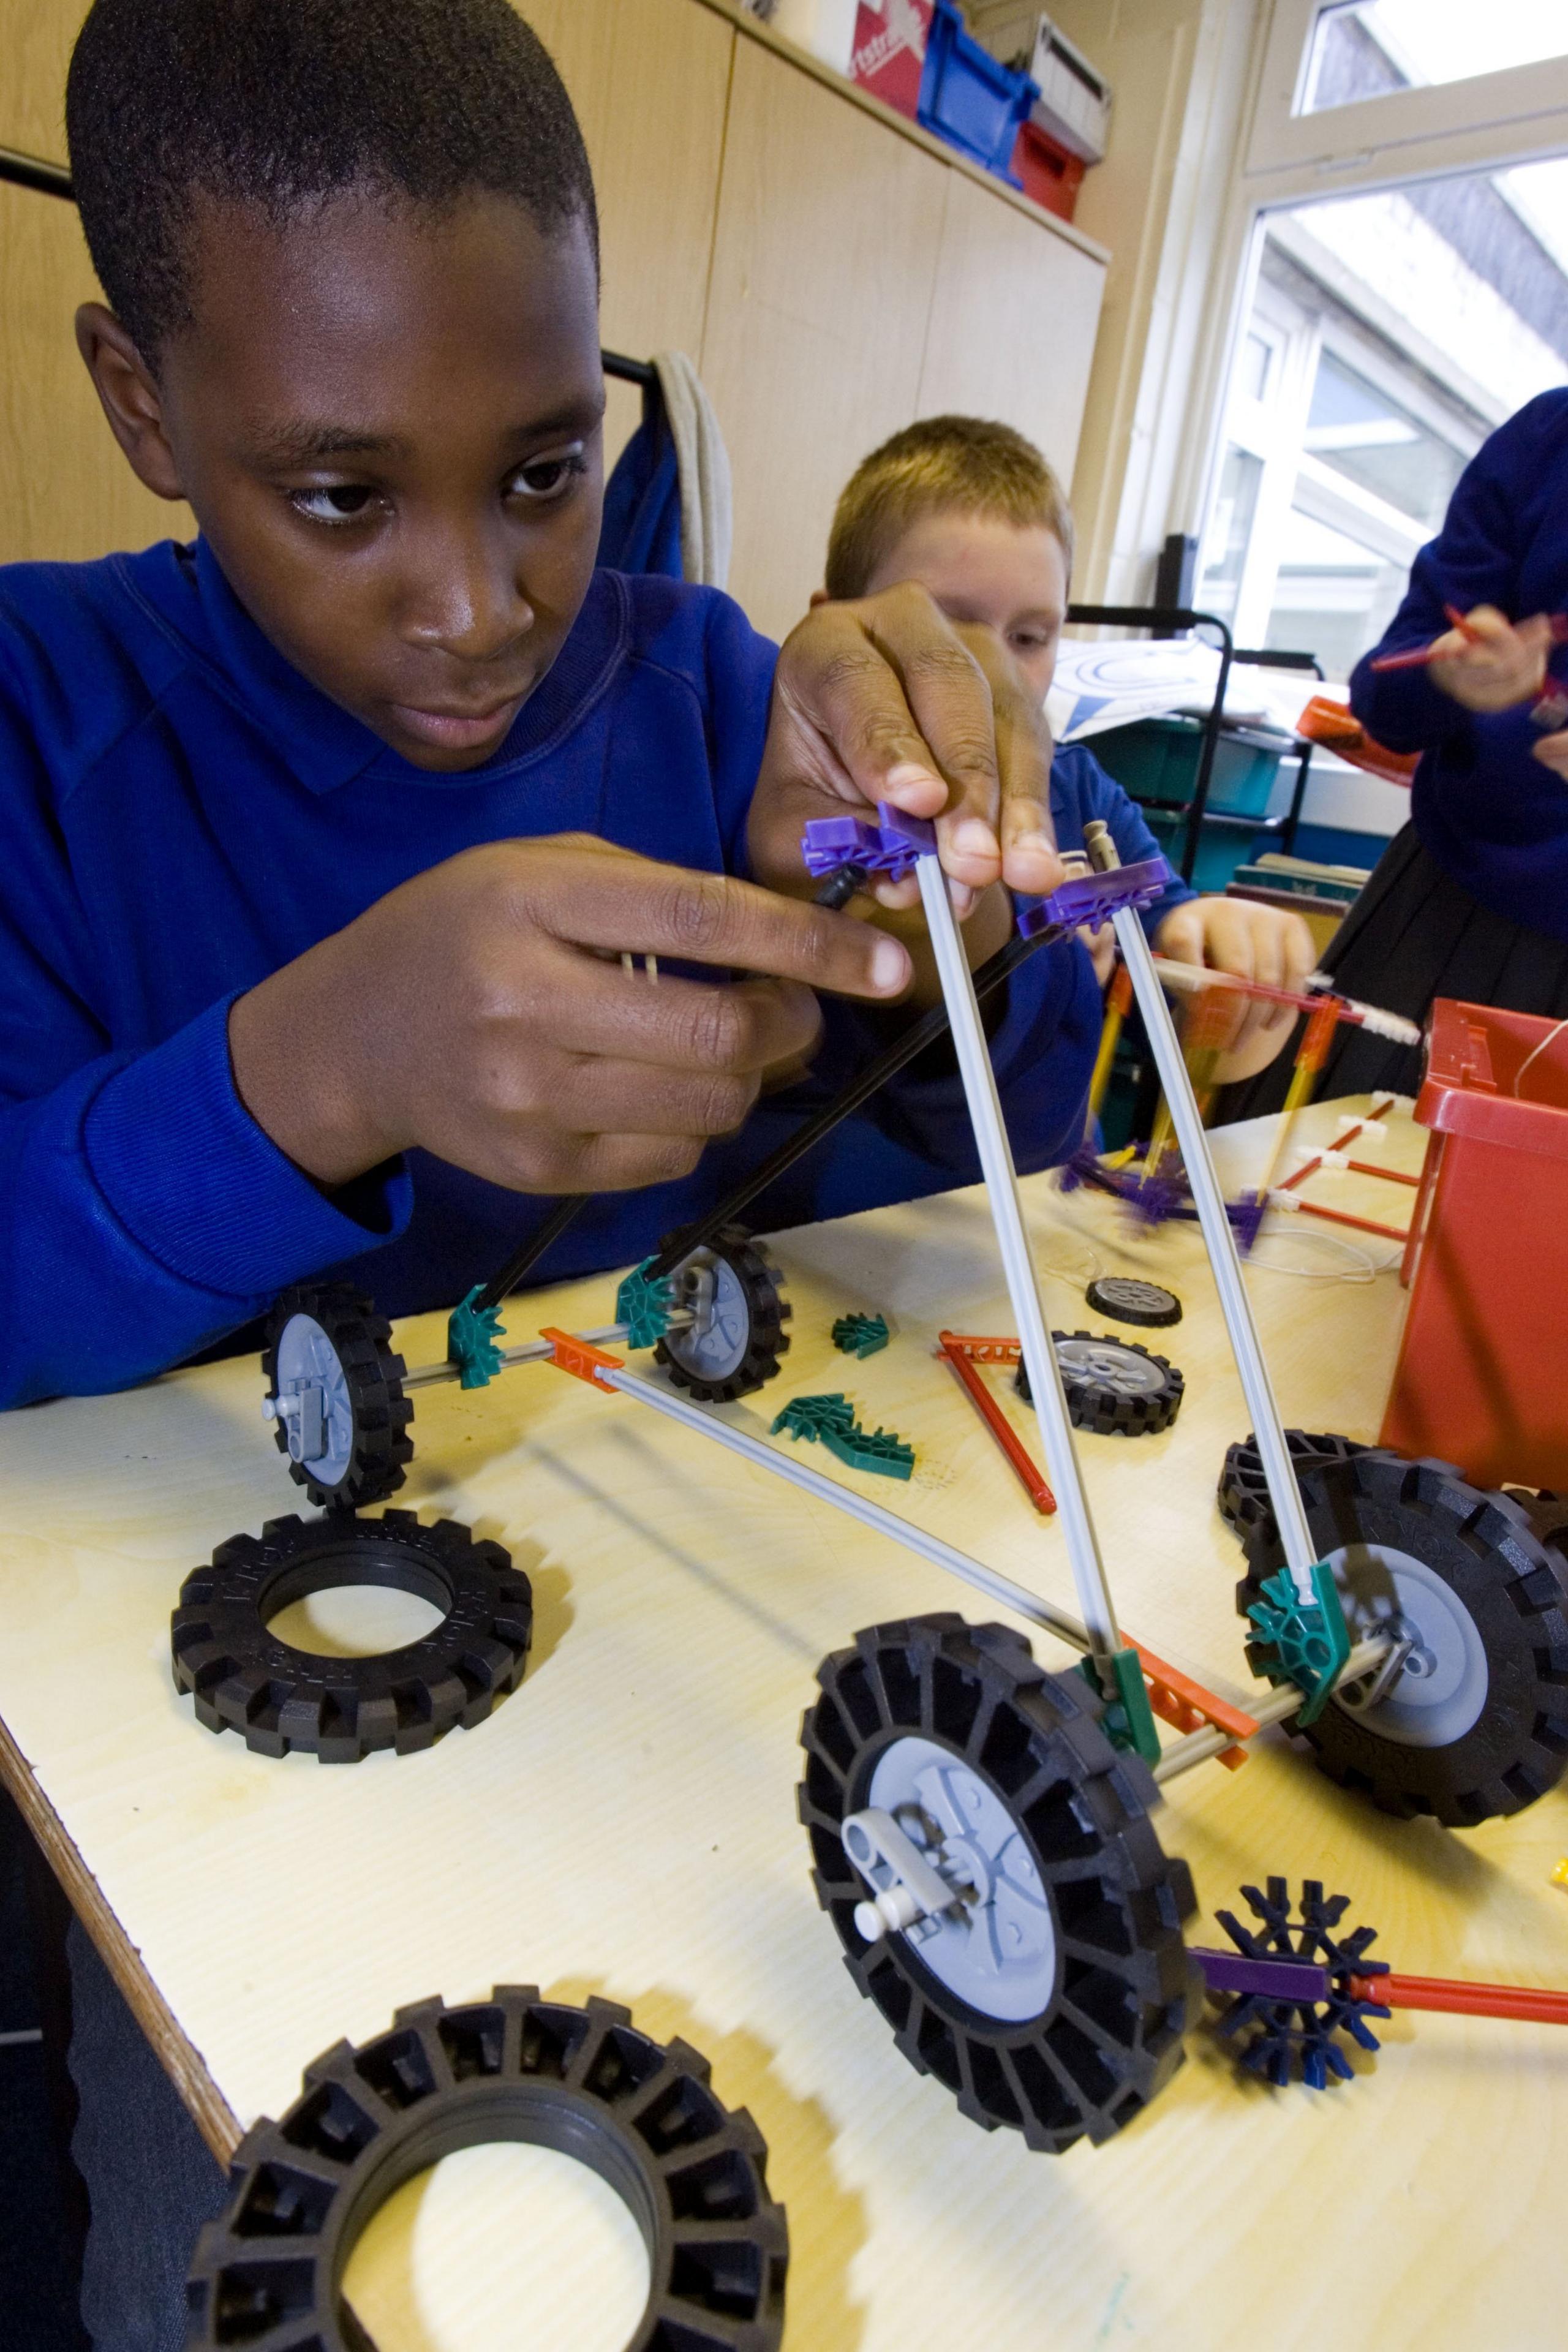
[{"x": 277, "y": 103}]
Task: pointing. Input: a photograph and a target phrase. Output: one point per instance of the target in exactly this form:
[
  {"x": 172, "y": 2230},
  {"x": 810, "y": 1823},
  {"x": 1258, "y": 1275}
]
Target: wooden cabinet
[
  {"x": 65, "y": 490},
  {"x": 833, "y": 273}
]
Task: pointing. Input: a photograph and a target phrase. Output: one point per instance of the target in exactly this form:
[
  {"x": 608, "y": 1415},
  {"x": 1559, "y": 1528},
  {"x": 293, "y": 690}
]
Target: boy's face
[
  {"x": 389, "y": 423},
  {"x": 1000, "y": 576}
]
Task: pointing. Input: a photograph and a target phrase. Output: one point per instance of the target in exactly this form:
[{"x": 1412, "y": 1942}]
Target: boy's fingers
[
  {"x": 635, "y": 905},
  {"x": 680, "y": 1026}
]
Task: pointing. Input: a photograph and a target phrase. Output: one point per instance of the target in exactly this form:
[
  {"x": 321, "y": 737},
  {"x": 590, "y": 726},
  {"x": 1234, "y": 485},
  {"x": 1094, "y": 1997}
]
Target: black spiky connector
[{"x": 1287, "y": 2038}]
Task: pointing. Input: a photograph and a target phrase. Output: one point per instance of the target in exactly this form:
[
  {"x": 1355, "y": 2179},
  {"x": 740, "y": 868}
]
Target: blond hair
[{"x": 943, "y": 463}]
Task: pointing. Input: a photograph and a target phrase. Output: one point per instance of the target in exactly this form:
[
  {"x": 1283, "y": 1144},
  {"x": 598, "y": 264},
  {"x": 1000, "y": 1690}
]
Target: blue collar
[{"x": 324, "y": 746}]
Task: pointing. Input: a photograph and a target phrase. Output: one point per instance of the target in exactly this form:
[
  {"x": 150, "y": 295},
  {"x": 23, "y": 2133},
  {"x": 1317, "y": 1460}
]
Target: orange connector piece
[
  {"x": 1184, "y": 1704},
  {"x": 578, "y": 1358},
  {"x": 964, "y": 1354}
]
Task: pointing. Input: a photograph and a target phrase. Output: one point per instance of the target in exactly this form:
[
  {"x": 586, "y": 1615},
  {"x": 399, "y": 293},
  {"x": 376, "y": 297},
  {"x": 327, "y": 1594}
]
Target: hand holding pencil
[{"x": 1483, "y": 661}]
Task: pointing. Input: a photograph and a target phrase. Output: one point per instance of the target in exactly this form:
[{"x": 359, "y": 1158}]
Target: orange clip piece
[
  {"x": 578, "y": 1358},
  {"x": 1184, "y": 1704},
  {"x": 981, "y": 1352}
]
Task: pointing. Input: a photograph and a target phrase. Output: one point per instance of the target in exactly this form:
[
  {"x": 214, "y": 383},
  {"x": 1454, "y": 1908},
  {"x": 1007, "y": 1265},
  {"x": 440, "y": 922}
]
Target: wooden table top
[{"x": 625, "y": 1824}]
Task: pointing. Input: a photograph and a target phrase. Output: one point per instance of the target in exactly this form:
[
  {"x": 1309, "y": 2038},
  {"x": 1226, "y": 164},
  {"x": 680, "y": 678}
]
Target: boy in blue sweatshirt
[
  {"x": 970, "y": 511},
  {"x": 326, "y": 835}
]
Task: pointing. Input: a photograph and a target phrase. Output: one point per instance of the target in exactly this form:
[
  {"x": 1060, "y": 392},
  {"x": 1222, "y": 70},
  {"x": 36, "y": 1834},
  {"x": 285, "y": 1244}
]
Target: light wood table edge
[{"x": 186, "y": 2069}]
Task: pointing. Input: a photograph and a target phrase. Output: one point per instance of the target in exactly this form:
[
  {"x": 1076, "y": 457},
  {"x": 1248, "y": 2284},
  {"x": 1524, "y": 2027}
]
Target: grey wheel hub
[
  {"x": 312, "y": 1401},
  {"x": 1109, "y": 1367},
  {"x": 1436, "y": 1692},
  {"x": 995, "y": 1947},
  {"x": 713, "y": 1345}
]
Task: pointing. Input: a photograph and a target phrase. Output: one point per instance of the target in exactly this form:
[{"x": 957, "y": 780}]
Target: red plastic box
[
  {"x": 1482, "y": 1377},
  {"x": 1045, "y": 170},
  {"x": 890, "y": 38}
]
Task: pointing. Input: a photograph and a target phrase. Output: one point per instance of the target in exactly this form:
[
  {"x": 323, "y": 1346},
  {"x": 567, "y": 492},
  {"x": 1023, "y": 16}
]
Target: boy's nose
[{"x": 467, "y": 601}]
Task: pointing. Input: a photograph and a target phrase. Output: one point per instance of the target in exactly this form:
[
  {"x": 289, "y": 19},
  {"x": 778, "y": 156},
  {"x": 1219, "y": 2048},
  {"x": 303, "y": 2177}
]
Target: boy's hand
[
  {"x": 1254, "y": 942},
  {"x": 473, "y": 1013},
  {"x": 1495, "y": 665},
  {"x": 884, "y": 699}
]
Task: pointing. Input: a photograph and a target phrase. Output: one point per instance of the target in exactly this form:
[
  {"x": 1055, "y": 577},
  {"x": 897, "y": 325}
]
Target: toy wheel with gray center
[
  {"x": 1473, "y": 1720},
  {"x": 1244, "y": 1503},
  {"x": 585, "y": 2082},
  {"x": 1126, "y": 1299},
  {"x": 1053, "y": 1996},
  {"x": 734, "y": 1342},
  {"x": 277, "y": 1697},
  {"x": 335, "y": 1395},
  {"x": 1114, "y": 1387}
]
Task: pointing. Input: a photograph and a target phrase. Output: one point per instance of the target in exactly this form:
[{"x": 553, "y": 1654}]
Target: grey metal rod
[
  {"x": 1000, "y": 1589},
  {"x": 1199, "y": 1745},
  {"x": 1089, "y": 1578},
  {"x": 1279, "y": 1470},
  {"x": 533, "y": 1351}
]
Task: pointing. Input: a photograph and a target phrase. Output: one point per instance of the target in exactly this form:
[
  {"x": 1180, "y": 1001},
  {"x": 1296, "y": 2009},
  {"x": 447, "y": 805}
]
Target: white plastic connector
[{"x": 918, "y": 1892}]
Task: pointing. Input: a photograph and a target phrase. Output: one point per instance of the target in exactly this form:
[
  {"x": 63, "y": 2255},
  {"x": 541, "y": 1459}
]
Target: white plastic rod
[
  {"x": 1279, "y": 1470},
  {"x": 1000, "y": 1589},
  {"x": 1023, "y": 1287},
  {"x": 532, "y": 1351}
]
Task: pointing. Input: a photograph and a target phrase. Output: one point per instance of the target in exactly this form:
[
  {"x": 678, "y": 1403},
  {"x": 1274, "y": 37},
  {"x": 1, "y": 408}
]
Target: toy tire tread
[
  {"x": 768, "y": 1310},
  {"x": 341, "y": 1709},
  {"x": 582, "y": 2080},
  {"x": 1109, "y": 1412},
  {"x": 1110, "y": 2037},
  {"x": 1243, "y": 1501},
  {"x": 1484, "y": 1547},
  {"x": 374, "y": 1371}
]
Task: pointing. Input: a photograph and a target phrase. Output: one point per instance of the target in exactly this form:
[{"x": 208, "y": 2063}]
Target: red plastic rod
[
  {"x": 996, "y": 1421},
  {"x": 1389, "y": 1175},
  {"x": 1361, "y": 1225},
  {"x": 1524, "y": 2001}
]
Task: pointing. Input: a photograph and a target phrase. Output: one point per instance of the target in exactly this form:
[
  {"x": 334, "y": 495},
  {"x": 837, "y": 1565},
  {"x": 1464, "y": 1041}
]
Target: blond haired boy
[{"x": 971, "y": 511}]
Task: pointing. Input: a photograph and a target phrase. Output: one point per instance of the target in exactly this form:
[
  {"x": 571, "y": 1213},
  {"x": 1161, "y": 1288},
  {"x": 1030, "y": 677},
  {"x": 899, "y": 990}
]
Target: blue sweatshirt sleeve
[
  {"x": 1474, "y": 560},
  {"x": 1081, "y": 792},
  {"x": 143, "y": 1211}
]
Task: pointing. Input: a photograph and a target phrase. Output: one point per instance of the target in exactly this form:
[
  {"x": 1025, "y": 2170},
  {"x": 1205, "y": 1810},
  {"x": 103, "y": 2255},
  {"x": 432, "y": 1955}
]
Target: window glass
[
  {"x": 1366, "y": 48},
  {"x": 1230, "y": 532},
  {"x": 1371, "y": 440},
  {"x": 1332, "y": 596}
]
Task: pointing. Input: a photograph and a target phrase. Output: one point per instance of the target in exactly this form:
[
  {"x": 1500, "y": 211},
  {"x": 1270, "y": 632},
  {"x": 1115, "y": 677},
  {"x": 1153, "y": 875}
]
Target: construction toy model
[{"x": 981, "y": 1827}]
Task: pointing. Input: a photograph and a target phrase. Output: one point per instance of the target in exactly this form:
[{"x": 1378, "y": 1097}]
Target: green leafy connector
[
  {"x": 645, "y": 1307},
  {"x": 860, "y": 1335},
  {"x": 830, "y": 1421},
  {"x": 1128, "y": 1719},
  {"x": 473, "y": 1341},
  {"x": 1310, "y": 1639}
]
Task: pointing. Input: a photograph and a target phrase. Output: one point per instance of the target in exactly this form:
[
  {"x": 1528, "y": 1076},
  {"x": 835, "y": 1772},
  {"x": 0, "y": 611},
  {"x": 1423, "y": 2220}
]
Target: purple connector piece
[
  {"x": 892, "y": 846},
  {"x": 1274, "y": 1980},
  {"x": 1090, "y": 899}
]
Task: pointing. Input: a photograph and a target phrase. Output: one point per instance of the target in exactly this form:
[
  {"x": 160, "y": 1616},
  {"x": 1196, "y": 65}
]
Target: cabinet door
[
  {"x": 65, "y": 492},
  {"x": 36, "y": 37},
  {"x": 1013, "y": 322},
  {"x": 823, "y": 266},
  {"x": 650, "y": 80}
]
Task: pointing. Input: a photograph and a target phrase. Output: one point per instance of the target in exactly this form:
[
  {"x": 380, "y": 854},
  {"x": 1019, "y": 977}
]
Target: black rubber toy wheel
[
  {"x": 1244, "y": 1503},
  {"x": 1476, "y": 1722},
  {"x": 341, "y": 1709},
  {"x": 583, "y": 2082},
  {"x": 1127, "y": 1300},
  {"x": 1002, "y": 1774},
  {"x": 736, "y": 1343},
  {"x": 1114, "y": 1387},
  {"x": 329, "y": 1363}
]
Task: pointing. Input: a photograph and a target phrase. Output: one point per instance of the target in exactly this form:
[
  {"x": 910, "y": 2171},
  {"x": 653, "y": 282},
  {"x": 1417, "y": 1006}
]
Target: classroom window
[{"x": 1367, "y": 49}]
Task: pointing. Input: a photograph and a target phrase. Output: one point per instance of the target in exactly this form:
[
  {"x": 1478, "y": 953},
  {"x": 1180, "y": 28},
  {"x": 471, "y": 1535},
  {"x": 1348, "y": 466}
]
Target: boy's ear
[
  {"x": 820, "y": 596},
  {"x": 130, "y": 396}
]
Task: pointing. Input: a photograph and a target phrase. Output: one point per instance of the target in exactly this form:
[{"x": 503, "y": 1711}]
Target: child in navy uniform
[
  {"x": 324, "y": 838},
  {"x": 972, "y": 512}
]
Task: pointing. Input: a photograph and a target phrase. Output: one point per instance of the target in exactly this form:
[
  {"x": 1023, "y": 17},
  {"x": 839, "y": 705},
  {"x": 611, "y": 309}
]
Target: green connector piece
[
  {"x": 860, "y": 1335},
  {"x": 645, "y": 1307},
  {"x": 830, "y": 1421},
  {"x": 1128, "y": 1719},
  {"x": 473, "y": 1342},
  {"x": 1311, "y": 1639}
]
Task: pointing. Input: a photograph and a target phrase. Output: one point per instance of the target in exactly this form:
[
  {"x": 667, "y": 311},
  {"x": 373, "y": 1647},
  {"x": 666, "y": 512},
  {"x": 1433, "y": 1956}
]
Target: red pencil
[{"x": 1421, "y": 655}]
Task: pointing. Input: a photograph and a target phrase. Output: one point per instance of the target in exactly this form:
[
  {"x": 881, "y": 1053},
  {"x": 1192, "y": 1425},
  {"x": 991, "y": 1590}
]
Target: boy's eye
[
  {"x": 546, "y": 478},
  {"x": 338, "y": 502}
]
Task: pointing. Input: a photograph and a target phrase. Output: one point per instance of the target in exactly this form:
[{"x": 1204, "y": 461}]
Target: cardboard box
[{"x": 890, "y": 39}]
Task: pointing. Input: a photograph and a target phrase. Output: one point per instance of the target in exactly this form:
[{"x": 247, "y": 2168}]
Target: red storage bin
[
  {"x": 889, "y": 60},
  {"x": 1045, "y": 171},
  {"x": 1482, "y": 1376}
]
